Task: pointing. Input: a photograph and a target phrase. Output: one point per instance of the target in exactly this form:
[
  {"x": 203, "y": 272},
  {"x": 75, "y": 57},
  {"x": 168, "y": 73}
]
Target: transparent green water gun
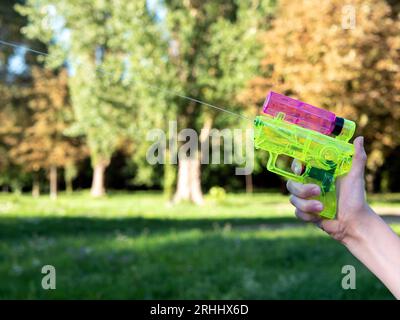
[{"x": 316, "y": 137}]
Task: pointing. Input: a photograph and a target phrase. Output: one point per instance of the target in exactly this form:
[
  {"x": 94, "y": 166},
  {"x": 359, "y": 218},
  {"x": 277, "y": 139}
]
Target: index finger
[
  {"x": 302, "y": 190},
  {"x": 297, "y": 167}
]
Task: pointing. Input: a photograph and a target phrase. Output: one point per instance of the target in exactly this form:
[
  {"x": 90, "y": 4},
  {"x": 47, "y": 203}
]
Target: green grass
[{"x": 134, "y": 246}]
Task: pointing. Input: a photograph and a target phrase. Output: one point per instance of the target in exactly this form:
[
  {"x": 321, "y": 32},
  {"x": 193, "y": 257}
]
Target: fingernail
[
  {"x": 315, "y": 191},
  {"x": 362, "y": 141},
  {"x": 297, "y": 168},
  {"x": 318, "y": 206}
]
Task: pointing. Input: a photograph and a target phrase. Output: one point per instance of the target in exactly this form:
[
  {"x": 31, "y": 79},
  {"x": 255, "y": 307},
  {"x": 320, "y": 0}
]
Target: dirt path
[{"x": 395, "y": 211}]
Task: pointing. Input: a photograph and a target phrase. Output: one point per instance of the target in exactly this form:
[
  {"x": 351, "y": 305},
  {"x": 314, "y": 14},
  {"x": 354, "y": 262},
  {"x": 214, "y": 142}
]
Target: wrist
[{"x": 357, "y": 230}]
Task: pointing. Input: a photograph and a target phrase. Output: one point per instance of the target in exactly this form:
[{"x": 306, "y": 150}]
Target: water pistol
[{"x": 316, "y": 137}]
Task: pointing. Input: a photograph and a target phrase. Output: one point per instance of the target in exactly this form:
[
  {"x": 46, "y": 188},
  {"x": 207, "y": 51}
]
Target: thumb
[{"x": 359, "y": 159}]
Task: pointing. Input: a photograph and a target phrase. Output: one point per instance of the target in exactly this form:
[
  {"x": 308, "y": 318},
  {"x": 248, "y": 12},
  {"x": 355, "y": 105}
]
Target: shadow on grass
[
  {"x": 54, "y": 226},
  {"x": 391, "y": 218},
  {"x": 175, "y": 259}
]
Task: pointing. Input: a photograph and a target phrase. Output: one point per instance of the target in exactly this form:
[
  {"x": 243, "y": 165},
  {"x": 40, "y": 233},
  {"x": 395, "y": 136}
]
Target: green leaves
[
  {"x": 105, "y": 43},
  {"x": 126, "y": 62}
]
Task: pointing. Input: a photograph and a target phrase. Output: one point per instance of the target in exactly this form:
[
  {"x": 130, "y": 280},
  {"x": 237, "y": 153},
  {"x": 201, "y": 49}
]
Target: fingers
[
  {"x": 303, "y": 190},
  {"x": 306, "y": 210},
  {"x": 307, "y": 217},
  {"x": 307, "y": 206},
  {"x": 299, "y": 189},
  {"x": 359, "y": 159},
  {"x": 329, "y": 226}
]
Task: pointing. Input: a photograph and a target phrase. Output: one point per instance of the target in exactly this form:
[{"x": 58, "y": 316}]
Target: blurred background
[{"x": 82, "y": 82}]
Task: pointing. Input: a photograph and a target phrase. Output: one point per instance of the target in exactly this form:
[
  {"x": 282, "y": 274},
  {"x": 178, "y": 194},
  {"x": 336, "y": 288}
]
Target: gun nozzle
[{"x": 344, "y": 129}]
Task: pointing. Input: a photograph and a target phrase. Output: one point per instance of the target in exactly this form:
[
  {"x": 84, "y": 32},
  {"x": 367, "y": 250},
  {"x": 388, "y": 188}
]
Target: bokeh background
[{"x": 78, "y": 193}]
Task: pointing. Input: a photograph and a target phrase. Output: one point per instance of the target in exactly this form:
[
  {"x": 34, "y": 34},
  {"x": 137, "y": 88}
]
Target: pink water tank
[{"x": 303, "y": 114}]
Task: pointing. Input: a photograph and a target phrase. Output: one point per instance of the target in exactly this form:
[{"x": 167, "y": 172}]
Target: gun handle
[{"x": 328, "y": 198}]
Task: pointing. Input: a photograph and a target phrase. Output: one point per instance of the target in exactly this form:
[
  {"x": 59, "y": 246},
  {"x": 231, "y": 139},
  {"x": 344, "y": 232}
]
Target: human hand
[{"x": 352, "y": 208}]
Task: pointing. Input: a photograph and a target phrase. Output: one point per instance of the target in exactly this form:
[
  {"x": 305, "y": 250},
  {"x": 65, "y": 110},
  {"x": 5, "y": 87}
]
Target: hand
[{"x": 352, "y": 208}]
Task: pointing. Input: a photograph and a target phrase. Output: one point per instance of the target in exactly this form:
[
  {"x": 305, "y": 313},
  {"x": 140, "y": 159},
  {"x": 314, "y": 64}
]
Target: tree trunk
[
  {"x": 369, "y": 179},
  {"x": 98, "y": 188},
  {"x": 189, "y": 173},
  {"x": 35, "y": 186},
  {"x": 68, "y": 185},
  {"x": 169, "y": 178},
  {"x": 53, "y": 182},
  {"x": 189, "y": 183},
  {"x": 70, "y": 173},
  {"x": 249, "y": 183}
]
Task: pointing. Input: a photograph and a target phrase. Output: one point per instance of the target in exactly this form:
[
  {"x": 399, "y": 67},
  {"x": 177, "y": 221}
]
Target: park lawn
[{"x": 134, "y": 246}]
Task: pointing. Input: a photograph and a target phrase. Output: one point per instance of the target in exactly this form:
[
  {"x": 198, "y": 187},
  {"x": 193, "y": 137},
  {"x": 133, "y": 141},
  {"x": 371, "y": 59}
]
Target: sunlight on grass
[{"x": 145, "y": 205}]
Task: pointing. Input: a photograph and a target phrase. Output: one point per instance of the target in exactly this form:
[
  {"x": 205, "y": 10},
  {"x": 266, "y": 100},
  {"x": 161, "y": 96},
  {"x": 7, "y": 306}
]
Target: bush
[{"x": 217, "y": 194}]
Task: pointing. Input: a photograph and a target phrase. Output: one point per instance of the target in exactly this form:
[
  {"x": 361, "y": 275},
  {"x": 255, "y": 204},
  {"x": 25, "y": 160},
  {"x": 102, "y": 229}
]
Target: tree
[
  {"x": 315, "y": 53},
  {"x": 128, "y": 49},
  {"x": 214, "y": 52},
  {"x": 14, "y": 84},
  {"x": 107, "y": 43},
  {"x": 12, "y": 113},
  {"x": 42, "y": 144}
]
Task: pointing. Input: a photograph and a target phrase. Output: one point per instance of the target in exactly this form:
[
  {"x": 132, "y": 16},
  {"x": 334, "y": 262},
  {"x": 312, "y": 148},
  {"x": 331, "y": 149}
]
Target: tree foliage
[
  {"x": 314, "y": 54},
  {"x": 110, "y": 55},
  {"x": 42, "y": 143},
  {"x": 127, "y": 64},
  {"x": 214, "y": 53}
]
